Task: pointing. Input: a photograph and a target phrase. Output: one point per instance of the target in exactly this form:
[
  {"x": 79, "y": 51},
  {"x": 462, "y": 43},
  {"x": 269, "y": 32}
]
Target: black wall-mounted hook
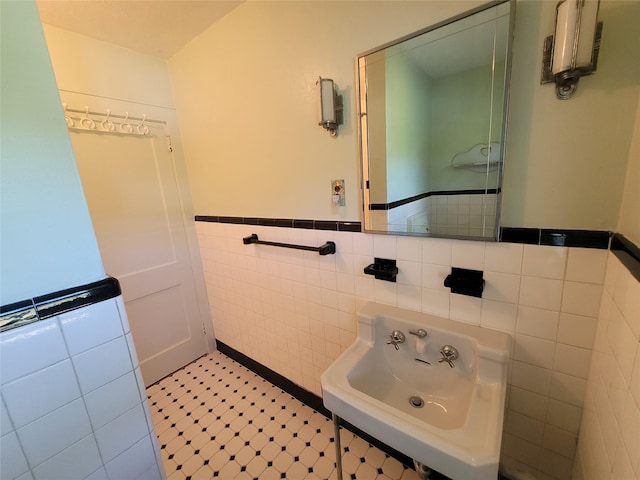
[
  {"x": 465, "y": 282},
  {"x": 382, "y": 269}
]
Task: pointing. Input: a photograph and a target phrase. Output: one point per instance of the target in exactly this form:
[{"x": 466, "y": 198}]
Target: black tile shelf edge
[
  {"x": 349, "y": 227},
  {"x": 575, "y": 238},
  {"x": 532, "y": 236},
  {"x": 556, "y": 237},
  {"x": 239, "y": 220},
  {"x": 306, "y": 224},
  {"x": 333, "y": 225},
  {"x": 207, "y": 218},
  {"x": 283, "y": 222},
  {"x": 529, "y": 236},
  {"x": 325, "y": 225},
  {"x": 55, "y": 303},
  {"x": 628, "y": 253},
  {"x": 305, "y": 396},
  {"x": 17, "y": 314},
  {"x": 17, "y": 306}
]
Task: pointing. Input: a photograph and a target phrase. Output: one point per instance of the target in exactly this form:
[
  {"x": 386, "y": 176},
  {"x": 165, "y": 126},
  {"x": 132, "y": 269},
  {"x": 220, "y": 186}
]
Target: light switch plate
[{"x": 337, "y": 192}]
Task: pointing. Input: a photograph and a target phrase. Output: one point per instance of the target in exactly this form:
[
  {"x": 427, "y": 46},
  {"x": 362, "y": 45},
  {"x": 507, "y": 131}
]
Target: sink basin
[{"x": 448, "y": 418}]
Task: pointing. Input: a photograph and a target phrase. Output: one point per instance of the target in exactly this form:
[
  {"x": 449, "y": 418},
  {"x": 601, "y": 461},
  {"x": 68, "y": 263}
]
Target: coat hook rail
[
  {"x": 326, "y": 249},
  {"x": 110, "y": 115},
  {"x": 99, "y": 122}
]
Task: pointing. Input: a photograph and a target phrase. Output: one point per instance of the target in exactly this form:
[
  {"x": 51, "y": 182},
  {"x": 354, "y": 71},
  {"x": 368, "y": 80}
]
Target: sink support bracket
[{"x": 336, "y": 429}]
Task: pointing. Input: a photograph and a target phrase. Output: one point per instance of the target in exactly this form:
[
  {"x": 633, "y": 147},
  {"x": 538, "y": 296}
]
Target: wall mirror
[{"x": 432, "y": 109}]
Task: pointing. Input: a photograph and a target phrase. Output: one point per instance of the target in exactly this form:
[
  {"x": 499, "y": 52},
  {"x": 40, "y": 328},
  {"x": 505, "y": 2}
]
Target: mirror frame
[{"x": 364, "y": 160}]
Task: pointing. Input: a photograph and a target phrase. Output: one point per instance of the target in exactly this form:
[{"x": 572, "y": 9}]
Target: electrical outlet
[{"x": 337, "y": 192}]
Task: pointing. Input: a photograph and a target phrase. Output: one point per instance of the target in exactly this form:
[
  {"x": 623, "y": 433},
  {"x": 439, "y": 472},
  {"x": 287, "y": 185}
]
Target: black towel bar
[{"x": 326, "y": 249}]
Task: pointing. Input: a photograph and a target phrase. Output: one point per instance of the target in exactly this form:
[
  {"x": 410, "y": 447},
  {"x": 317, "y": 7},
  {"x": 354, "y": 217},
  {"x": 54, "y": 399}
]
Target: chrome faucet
[
  {"x": 419, "y": 333},
  {"x": 449, "y": 354},
  {"x": 396, "y": 337}
]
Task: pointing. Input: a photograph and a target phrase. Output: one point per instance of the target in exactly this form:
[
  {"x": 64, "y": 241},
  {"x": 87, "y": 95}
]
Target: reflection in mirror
[{"x": 432, "y": 126}]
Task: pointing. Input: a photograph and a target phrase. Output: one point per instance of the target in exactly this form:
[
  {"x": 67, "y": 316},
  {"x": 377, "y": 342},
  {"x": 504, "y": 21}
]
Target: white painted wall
[
  {"x": 629, "y": 221},
  {"x": 568, "y": 158},
  {"x": 84, "y": 65},
  {"x": 408, "y": 130},
  {"x": 462, "y": 104},
  {"x": 46, "y": 238},
  {"x": 247, "y": 103},
  {"x": 65, "y": 412}
]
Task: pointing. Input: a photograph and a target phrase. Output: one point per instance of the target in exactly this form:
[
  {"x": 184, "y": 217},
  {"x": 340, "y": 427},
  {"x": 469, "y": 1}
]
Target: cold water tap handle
[{"x": 449, "y": 354}]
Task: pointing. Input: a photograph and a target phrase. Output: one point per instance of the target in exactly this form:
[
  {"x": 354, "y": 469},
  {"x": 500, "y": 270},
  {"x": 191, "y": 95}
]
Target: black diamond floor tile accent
[{"x": 217, "y": 390}]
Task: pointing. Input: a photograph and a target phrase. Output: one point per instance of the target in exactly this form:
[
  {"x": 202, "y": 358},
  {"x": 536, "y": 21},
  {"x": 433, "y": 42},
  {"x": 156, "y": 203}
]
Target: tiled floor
[{"x": 217, "y": 419}]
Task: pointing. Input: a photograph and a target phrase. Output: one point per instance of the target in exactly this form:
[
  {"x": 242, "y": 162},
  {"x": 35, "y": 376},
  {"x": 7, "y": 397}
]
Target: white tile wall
[
  {"x": 73, "y": 405},
  {"x": 465, "y": 215},
  {"x": 24, "y": 397},
  {"x": 273, "y": 305},
  {"x": 609, "y": 444}
]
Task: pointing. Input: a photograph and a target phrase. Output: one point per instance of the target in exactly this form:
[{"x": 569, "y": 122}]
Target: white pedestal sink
[{"x": 448, "y": 418}]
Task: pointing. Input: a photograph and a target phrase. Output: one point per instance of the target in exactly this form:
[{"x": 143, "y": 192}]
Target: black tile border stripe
[
  {"x": 556, "y": 237},
  {"x": 420, "y": 196},
  {"x": 624, "y": 249},
  {"x": 575, "y": 238},
  {"x": 532, "y": 236},
  {"x": 333, "y": 225},
  {"x": 17, "y": 314},
  {"x": 306, "y": 397},
  {"x": 628, "y": 253},
  {"x": 55, "y": 303}
]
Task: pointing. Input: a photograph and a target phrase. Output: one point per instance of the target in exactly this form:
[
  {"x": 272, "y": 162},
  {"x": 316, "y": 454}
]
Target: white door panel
[{"x": 132, "y": 192}]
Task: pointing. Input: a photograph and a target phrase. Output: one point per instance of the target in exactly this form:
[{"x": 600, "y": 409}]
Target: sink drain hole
[{"x": 416, "y": 401}]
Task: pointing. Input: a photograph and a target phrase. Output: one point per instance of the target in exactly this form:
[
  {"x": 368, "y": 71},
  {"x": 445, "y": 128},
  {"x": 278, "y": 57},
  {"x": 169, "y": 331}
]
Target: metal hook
[
  {"x": 142, "y": 128},
  {"x": 107, "y": 124},
  {"x": 125, "y": 126},
  {"x": 86, "y": 122},
  {"x": 67, "y": 118}
]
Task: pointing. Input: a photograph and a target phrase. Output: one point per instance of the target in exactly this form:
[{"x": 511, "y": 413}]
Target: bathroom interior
[{"x": 198, "y": 147}]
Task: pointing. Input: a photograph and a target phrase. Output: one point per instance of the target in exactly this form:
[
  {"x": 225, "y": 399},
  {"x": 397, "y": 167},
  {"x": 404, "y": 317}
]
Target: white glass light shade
[
  {"x": 574, "y": 36},
  {"x": 327, "y": 101},
  {"x": 588, "y": 25}
]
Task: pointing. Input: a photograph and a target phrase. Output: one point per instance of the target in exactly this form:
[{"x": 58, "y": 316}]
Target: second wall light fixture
[
  {"x": 330, "y": 106},
  {"x": 572, "y": 51}
]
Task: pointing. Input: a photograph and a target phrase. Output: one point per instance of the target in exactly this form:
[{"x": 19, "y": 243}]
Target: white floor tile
[{"x": 216, "y": 419}]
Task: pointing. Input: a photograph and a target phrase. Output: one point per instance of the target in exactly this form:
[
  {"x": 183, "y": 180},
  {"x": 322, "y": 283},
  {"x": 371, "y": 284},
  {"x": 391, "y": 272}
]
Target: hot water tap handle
[{"x": 396, "y": 337}]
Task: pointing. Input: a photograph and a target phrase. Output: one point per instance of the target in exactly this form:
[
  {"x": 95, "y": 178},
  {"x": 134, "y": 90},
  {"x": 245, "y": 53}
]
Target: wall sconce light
[
  {"x": 572, "y": 51},
  {"x": 330, "y": 106}
]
